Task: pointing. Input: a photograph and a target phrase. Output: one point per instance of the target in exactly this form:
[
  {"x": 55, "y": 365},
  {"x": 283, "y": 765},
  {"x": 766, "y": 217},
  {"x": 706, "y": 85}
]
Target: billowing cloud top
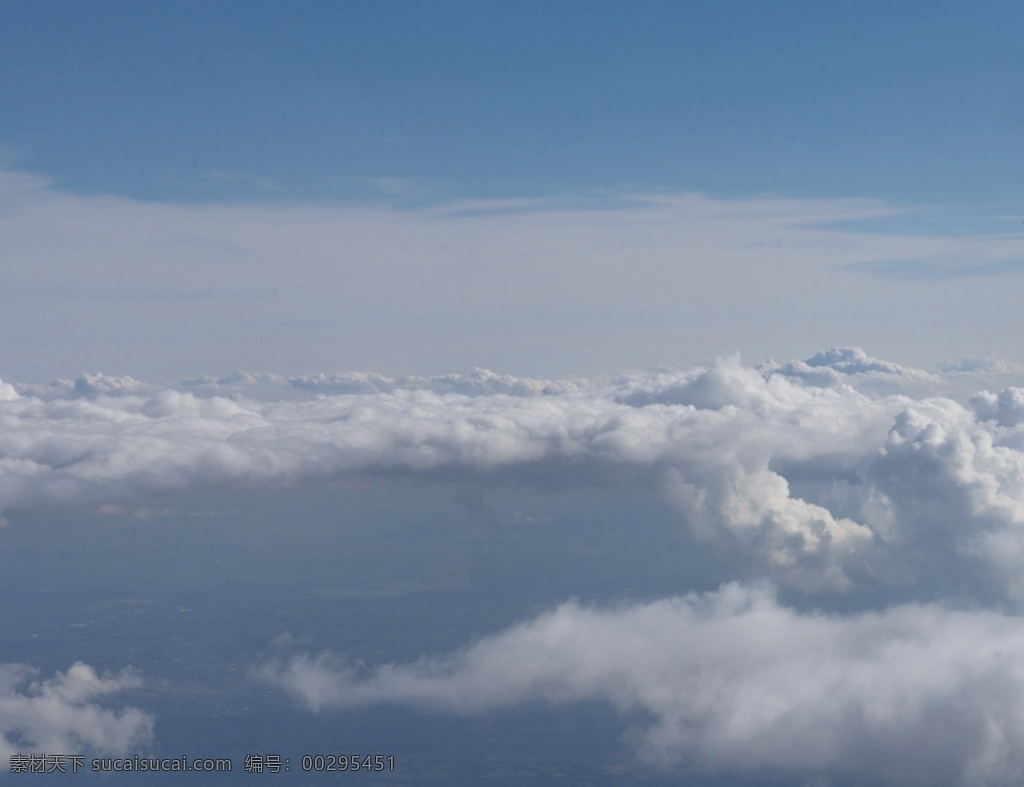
[{"x": 820, "y": 475}]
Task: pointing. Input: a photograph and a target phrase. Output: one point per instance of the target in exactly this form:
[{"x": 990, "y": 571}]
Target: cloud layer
[
  {"x": 838, "y": 476},
  {"x": 814, "y": 474},
  {"x": 60, "y": 715},
  {"x": 732, "y": 680},
  {"x": 607, "y": 281}
]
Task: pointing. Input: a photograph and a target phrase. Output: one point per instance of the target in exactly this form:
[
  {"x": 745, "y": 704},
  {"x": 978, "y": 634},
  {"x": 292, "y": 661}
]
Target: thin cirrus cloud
[{"x": 588, "y": 283}]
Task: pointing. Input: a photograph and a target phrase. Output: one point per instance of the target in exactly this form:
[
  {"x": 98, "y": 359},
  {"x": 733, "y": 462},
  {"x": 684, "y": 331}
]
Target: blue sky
[
  {"x": 914, "y": 102},
  {"x": 536, "y": 188}
]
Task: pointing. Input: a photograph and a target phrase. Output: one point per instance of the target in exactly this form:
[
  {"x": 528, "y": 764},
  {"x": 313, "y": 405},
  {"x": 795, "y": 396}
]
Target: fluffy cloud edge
[
  {"x": 750, "y": 456},
  {"x": 734, "y": 681},
  {"x": 62, "y": 715}
]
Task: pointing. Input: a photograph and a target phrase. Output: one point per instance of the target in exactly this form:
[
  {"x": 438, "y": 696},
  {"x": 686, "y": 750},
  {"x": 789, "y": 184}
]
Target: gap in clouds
[{"x": 192, "y": 590}]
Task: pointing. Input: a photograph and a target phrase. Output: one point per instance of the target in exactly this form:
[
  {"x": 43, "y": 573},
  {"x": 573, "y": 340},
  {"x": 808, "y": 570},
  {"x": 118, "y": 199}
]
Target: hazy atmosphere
[{"x": 460, "y": 392}]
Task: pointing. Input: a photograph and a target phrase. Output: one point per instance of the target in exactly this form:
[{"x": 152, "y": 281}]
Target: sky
[
  {"x": 647, "y": 376},
  {"x": 538, "y": 189},
  {"x": 914, "y": 102}
]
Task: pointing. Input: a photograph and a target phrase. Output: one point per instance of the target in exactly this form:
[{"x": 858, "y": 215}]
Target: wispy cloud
[
  {"x": 438, "y": 287},
  {"x": 935, "y": 269}
]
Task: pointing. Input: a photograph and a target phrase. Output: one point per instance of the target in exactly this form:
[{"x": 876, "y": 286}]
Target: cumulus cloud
[
  {"x": 817, "y": 481},
  {"x": 1006, "y": 408},
  {"x": 851, "y": 364},
  {"x": 481, "y": 382},
  {"x": 916, "y": 694},
  {"x": 956, "y": 493},
  {"x": 62, "y": 715},
  {"x": 711, "y": 432},
  {"x": 841, "y": 473}
]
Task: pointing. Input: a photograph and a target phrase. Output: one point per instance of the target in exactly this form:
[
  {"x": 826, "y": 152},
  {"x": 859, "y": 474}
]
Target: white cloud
[
  {"x": 916, "y": 694},
  {"x": 957, "y": 493},
  {"x": 60, "y": 715},
  {"x": 851, "y": 364},
  {"x": 818, "y": 482},
  {"x": 842, "y": 473},
  {"x": 1006, "y": 409},
  {"x": 752, "y": 512},
  {"x": 541, "y": 286},
  {"x": 713, "y": 431}
]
